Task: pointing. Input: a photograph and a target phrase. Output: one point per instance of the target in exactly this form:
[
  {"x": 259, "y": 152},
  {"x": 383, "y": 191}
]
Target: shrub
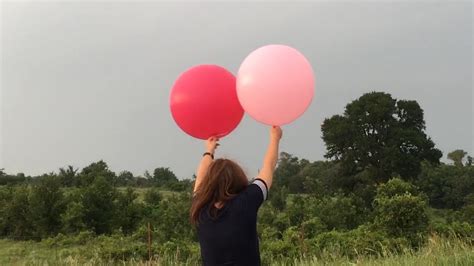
[
  {"x": 339, "y": 212},
  {"x": 400, "y": 212}
]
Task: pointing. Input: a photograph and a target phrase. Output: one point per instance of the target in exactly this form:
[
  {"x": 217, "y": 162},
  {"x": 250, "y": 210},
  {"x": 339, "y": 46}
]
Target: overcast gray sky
[{"x": 88, "y": 81}]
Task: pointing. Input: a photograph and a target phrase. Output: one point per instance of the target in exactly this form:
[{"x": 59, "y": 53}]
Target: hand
[
  {"x": 275, "y": 133},
  {"x": 211, "y": 144}
]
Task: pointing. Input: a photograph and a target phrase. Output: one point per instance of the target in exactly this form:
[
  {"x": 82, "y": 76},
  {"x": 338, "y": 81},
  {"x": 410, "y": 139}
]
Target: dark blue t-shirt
[{"x": 231, "y": 238}]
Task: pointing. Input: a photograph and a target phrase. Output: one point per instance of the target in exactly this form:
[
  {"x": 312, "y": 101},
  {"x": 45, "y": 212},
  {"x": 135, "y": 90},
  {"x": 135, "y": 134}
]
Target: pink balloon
[
  {"x": 275, "y": 84},
  {"x": 204, "y": 102}
]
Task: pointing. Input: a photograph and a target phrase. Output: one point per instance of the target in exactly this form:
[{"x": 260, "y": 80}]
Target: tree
[
  {"x": 6, "y": 195},
  {"x": 278, "y": 197},
  {"x": 47, "y": 206},
  {"x": 74, "y": 218},
  {"x": 125, "y": 178},
  {"x": 6, "y": 179},
  {"x": 296, "y": 211},
  {"x": 171, "y": 219},
  {"x": 129, "y": 211},
  {"x": 153, "y": 197},
  {"x": 99, "y": 207},
  {"x": 319, "y": 178},
  {"x": 68, "y": 176},
  {"x": 380, "y": 134},
  {"x": 95, "y": 170},
  {"x": 447, "y": 186},
  {"x": 286, "y": 174},
  {"x": 340, "y": 212},
  {"x": 17, "y": 215},
  {"x": 457, "y": 156},
  {"x": 163, "y": 176}
]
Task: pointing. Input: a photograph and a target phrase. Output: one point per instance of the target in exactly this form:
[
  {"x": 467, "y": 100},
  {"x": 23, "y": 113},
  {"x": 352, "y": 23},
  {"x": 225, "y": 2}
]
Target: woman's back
[{"x": 231, "y": 237}]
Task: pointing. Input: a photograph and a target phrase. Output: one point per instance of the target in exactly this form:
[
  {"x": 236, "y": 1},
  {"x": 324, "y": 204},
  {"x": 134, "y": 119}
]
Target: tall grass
[{"x": 437, "y": 251}]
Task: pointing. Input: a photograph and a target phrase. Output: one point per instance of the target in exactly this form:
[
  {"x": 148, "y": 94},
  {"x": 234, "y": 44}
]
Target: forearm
[
  {"x": 201, "y": 171},
  {"x": 205, "y": 162},
  {"x": 269, "y": 162},
  {"x": 271, "y": 156},
  {"x": 203, "y": 166}
]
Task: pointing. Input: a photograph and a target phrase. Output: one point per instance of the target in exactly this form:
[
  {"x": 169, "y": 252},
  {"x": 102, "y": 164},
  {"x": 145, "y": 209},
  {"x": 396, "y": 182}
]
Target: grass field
[{"x": 438, "y": 251}]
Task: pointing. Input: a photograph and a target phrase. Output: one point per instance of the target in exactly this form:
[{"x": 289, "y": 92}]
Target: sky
[{"x": 85, "y": 81}]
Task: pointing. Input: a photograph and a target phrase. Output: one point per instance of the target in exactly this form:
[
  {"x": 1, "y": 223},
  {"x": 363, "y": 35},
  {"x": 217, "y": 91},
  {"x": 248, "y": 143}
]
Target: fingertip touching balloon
[
  {"x": 204, "y": 103},
  {"x": 275, "y": 84}
]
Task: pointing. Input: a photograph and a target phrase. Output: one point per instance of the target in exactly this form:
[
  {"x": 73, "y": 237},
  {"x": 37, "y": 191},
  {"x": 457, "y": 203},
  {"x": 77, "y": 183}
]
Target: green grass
[{"x": 438, "y": 251}]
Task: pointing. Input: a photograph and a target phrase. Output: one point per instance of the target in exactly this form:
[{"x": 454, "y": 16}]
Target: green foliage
[
  {"x": 313, "y": 227},
  {"x": 73, "y": 219},
  {"x": 382, "y": 134},
  {"x": 318, "y": 178},
  {"x": 153, "y": 197},
  {"x": 447, "y": 186},
  {"x": 396, "y": 187},
  {"x": 457, "y": 156},
  {"x": 318, "y": 221},
  {"x": 400, "y": 212},
  {"x": 129, "y": 212},
  {"x": 98, "y": 201},
  {"x": 454, "y": 229},
  {"x": 95, "y": 171},
  {"x": 287, "y": 172},
  {"x": 163, "y": 176},
  {"x": 6, "y": 179},
  {"x": 16, "y": 218},
  {"x": 46, "y": 206},
  {"x": 68, "y": 176},
  {"x": 125, "y": 178},
  {"x": 362, "y": 241},
  {"x": 87, "y": 250},
  {"x": 278, "y": 197},
  {"x": 173, "y": 214},
  {"x": 340, "y": 212}
]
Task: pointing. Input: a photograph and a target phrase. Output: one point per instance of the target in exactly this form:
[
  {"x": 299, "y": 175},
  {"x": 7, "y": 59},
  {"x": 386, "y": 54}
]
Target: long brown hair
[{"x": 223, "y": 181}]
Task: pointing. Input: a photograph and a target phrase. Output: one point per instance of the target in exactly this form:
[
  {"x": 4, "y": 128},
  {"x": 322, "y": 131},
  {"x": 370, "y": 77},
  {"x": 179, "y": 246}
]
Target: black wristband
[{"x": 210, "y": 154}]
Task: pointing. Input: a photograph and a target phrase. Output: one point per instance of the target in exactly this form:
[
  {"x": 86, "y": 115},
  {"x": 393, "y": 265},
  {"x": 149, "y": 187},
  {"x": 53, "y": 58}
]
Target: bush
[
  {"x": 313, "y": 227},
  {"x": 129, "y": 212},
  {"x": 399, "y": 212},
  {"x": 17, "y": 215},
  {"x": 338, "y": 212},
  {"x": 47, "y": 205},
  {"x": 454, "y": 229}
]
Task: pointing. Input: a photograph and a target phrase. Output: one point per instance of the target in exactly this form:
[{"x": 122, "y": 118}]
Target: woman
[{"x": 225, "y": 205}]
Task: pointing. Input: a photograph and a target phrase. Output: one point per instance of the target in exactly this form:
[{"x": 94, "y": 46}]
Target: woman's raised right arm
[{"x": 271, "y": 156}]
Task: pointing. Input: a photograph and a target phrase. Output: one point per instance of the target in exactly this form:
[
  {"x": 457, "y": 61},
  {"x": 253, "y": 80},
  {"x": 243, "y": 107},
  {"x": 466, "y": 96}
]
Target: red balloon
[{"x": 204, "y": 102}]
